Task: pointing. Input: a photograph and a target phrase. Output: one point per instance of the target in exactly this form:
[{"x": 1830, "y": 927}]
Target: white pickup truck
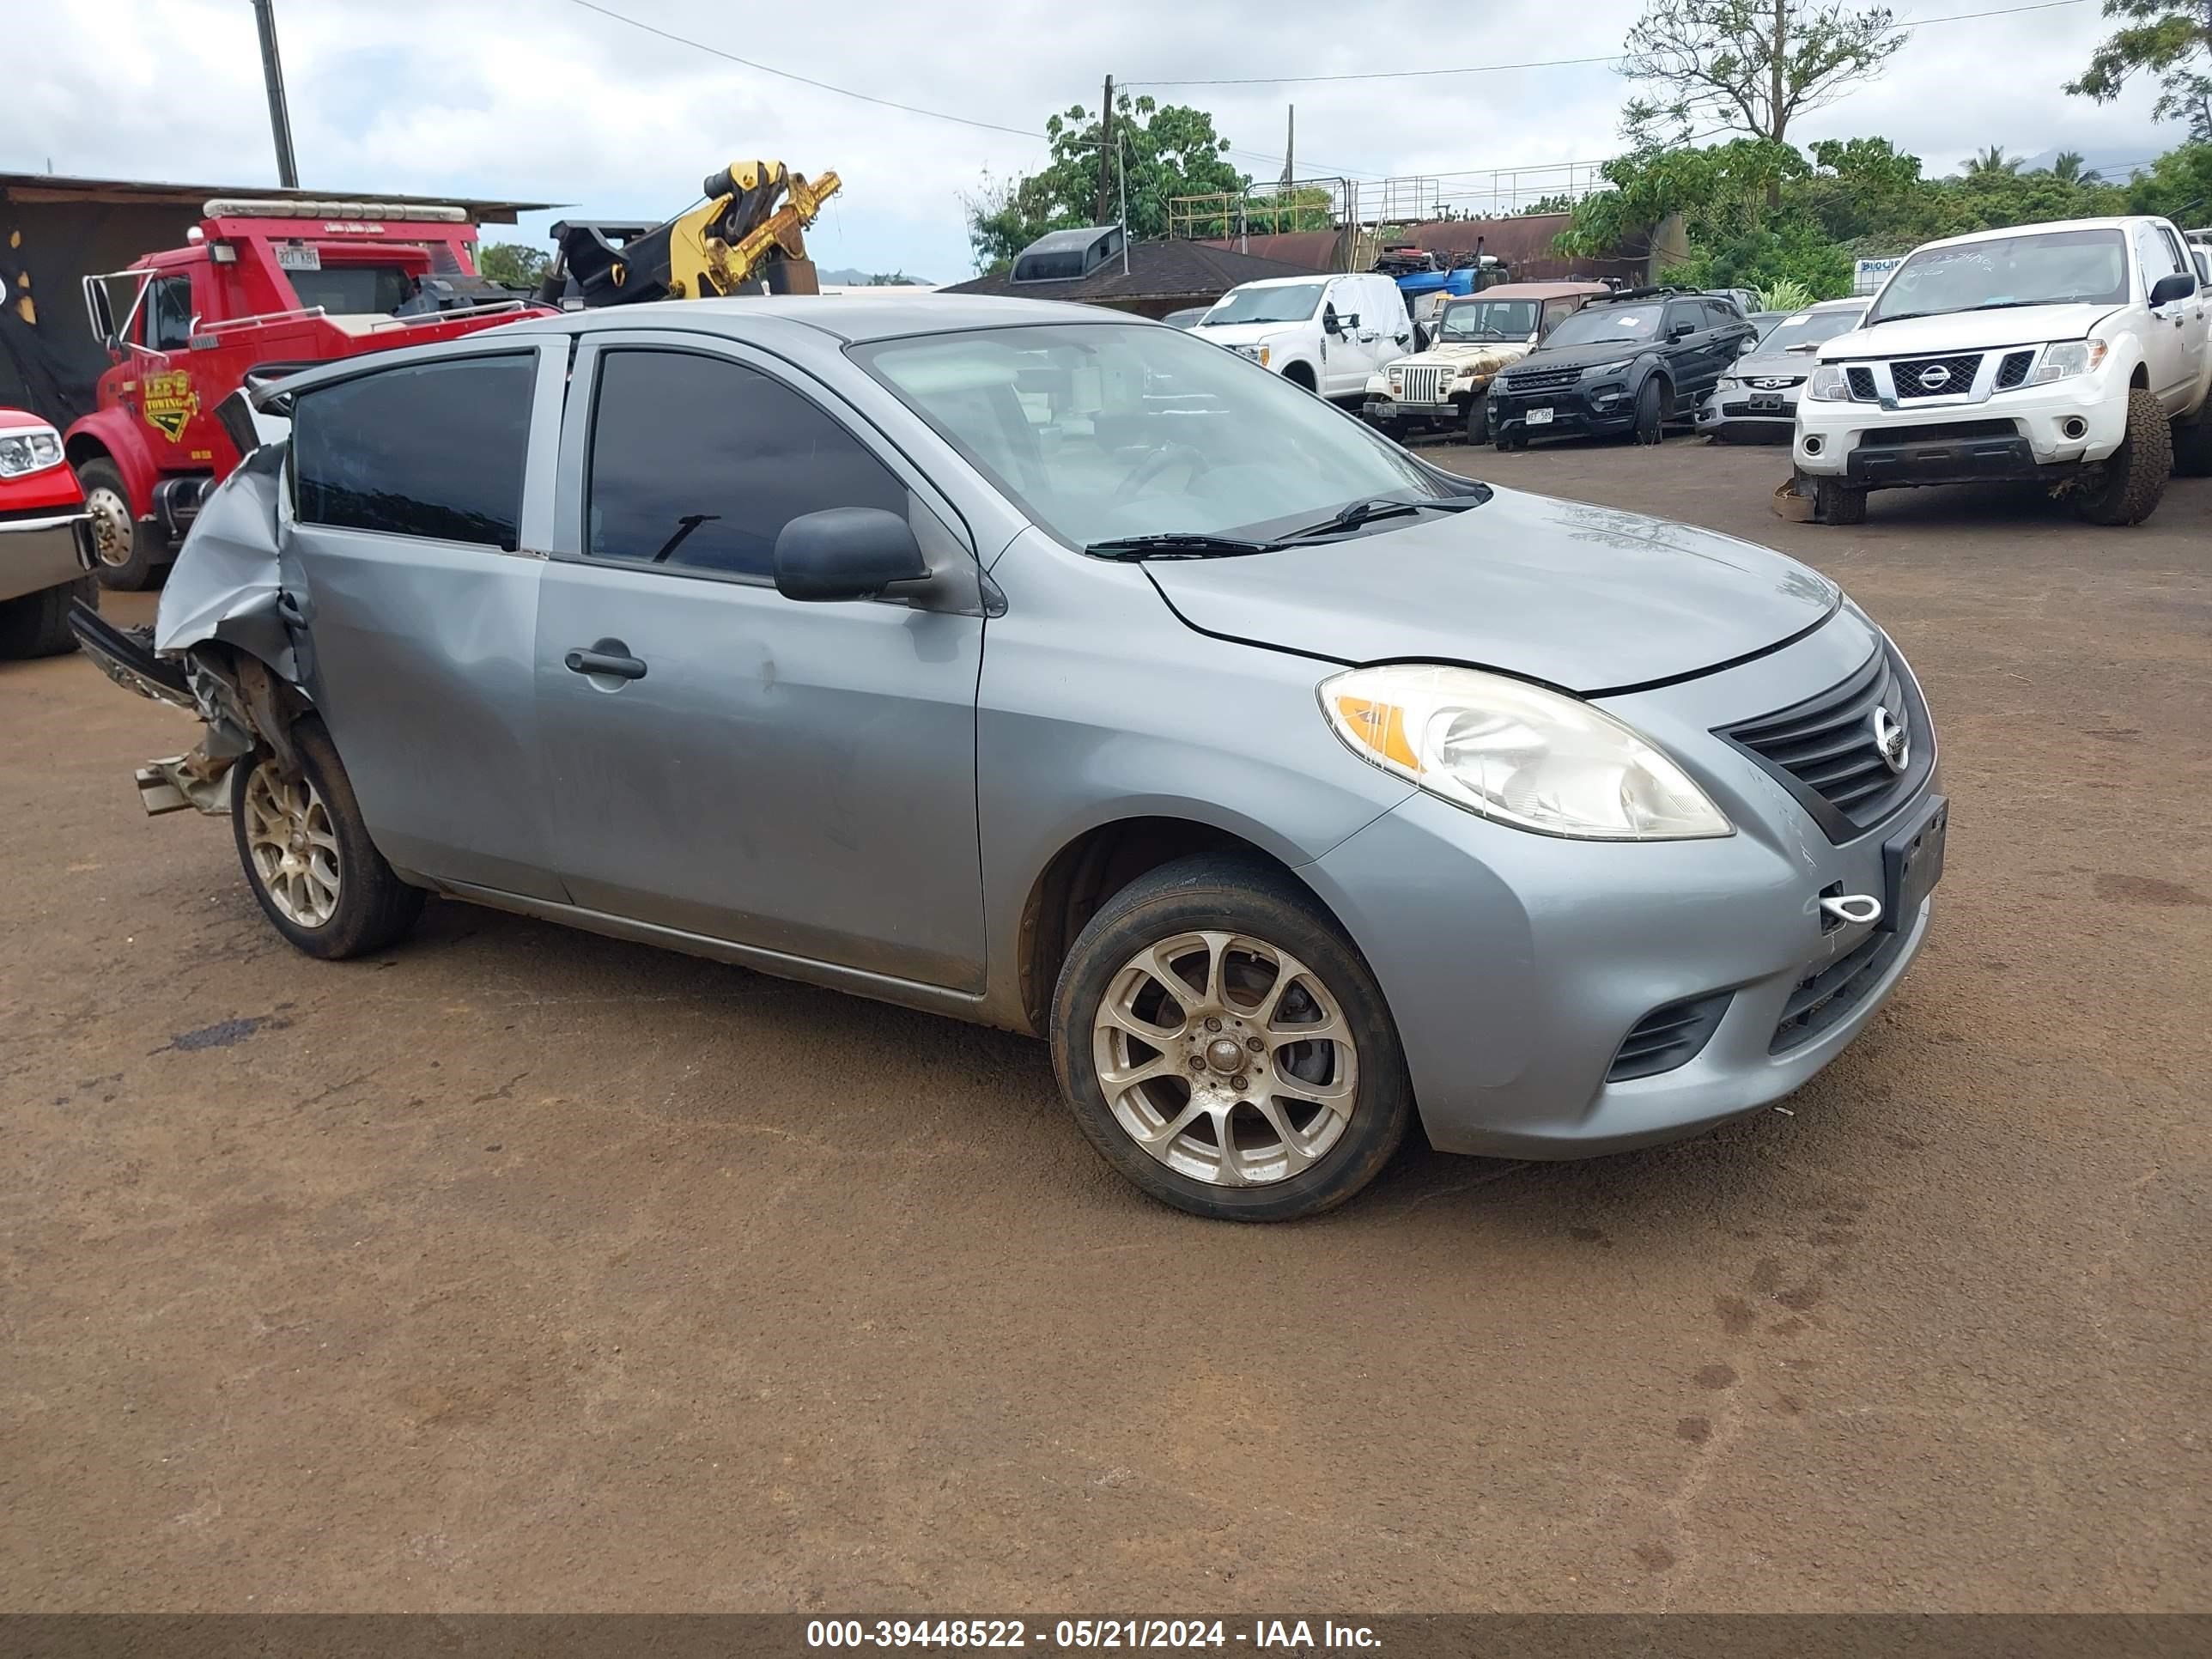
[{"x": 2074, "y": 354}]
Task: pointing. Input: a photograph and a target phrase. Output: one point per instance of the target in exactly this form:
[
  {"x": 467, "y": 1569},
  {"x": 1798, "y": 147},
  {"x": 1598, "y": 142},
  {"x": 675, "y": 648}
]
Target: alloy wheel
[
  {"x": 294, "y": 845},
  {"x": 1226, "y": 1058}
]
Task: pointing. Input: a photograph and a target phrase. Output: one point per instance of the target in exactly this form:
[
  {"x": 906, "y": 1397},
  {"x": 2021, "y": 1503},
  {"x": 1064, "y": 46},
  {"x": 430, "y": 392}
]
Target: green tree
[
  {"x": 2178, "y": 186},
  {"x": 1560, "y": 202},
  {"x": 1992, "y": 162},
  {"x": 1166, "y": 149},
  {"x": 2069, "y": 164},
  {"x": 2170, "y": 40},
  {"x": 1747, "y": 66},
  {"x": 1720, "y": 191},
  {"x": 512, "y": 264}
]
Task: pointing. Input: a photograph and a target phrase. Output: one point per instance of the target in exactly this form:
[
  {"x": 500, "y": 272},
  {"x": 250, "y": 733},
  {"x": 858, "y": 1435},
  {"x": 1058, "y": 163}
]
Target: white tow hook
[{"x": 1860, "y": 909}]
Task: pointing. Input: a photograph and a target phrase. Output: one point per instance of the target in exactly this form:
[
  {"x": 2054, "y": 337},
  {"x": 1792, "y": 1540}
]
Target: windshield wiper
[
  {"x": 1371, "y": 507},
  {"x": 1176, "y": 544}
]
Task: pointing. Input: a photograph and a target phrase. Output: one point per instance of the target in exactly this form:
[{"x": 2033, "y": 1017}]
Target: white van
[{"x": 1327, "y": 333}]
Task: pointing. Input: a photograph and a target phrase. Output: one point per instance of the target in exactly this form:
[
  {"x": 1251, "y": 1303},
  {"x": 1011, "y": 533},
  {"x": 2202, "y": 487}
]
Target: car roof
[
  {"x": 846, "y": 318},
  {"x": 1292, "y": 282},
  {"x": 1532, "y": 291}
]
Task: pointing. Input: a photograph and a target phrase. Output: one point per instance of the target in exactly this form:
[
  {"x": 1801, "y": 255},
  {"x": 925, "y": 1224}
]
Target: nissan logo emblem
[
  {"x": 1934, "y": 377},
  {"x": 1891, "y": 738}
]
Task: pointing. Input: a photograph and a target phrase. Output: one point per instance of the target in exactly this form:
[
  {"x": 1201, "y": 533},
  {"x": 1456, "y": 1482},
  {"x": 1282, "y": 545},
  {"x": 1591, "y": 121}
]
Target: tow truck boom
[{"x": 738, "y": 240}]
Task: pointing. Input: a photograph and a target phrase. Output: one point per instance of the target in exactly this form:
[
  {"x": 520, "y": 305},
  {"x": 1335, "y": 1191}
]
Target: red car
[{"x": 46, "y": 540}]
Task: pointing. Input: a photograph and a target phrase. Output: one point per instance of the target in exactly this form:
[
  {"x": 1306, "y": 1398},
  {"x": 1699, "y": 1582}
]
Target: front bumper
[
  {"x": 1516, "y": 965},
  {"x": 43, "y": 550},
  {"x": 2010, "y": 434},
  {"x": 1606, "y": 407},
  {"x": 1393, "y": 415},
  {"x": 1742, "y": 417}
]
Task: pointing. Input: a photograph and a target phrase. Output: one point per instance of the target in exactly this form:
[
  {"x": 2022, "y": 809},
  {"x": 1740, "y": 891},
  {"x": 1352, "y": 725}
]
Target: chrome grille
[
  {"x": 1823, "y": 749},
  {"x": 1422, "y": 383},
  {"x": 1934, "y": 377}
]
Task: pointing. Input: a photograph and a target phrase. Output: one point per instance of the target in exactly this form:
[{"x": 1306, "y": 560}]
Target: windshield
[
  {"x": 1102, "y": 431},
  {"x": 2055, "y": 267},
  {"x": 1595, "y": 325},
  {"x": 1809, "y": 328},
  {"x": 1488, "y": 319},
  {"x": 354, "y": 290},
  {"x": 1293, "y": 302}
]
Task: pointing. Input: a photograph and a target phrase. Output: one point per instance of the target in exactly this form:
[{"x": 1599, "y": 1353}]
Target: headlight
[
  {"x": 1729, "y": 386},
  {"x": 29, "y": 449},
  {"x": 2067, "y": 359},
  {"x": 1516, "y": 753},
  {"x": 1620, "y": 367},
  {"x": 1829, "y": 384}
]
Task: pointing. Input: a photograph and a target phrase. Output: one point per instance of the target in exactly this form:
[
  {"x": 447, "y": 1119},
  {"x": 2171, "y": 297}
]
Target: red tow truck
[{"x": 259, "y": 286}]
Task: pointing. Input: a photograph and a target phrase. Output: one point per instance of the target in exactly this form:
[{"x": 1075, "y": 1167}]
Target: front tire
[
  {"x": 1837, "y": 502},
  {"x": 37, "y": 624},
  {"x": 1478, "y": 418},
  {"x": 2135, "y": 473},
  {"x": 308, "y": 856},
  {"x": 1651, "y": 412},
  {"x": 1226, "y": 1047},
  {"x": 131, "y": 550}
]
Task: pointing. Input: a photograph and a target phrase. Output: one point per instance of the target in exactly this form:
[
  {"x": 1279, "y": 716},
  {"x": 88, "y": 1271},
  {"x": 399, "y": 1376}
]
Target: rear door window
[
  {"x": 433, "y": 450},
  {"x": 698, "y": 462}
]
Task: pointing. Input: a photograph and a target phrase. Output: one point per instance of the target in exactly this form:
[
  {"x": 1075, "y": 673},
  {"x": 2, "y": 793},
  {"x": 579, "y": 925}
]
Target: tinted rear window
[{"x": 430, "y": 449}]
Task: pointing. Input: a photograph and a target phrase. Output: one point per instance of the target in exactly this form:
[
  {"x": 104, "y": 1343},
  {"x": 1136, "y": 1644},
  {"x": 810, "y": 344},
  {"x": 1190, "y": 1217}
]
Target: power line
[
  {"x": 803, "y": 79},
  {"x": 1547, "y": 63}
]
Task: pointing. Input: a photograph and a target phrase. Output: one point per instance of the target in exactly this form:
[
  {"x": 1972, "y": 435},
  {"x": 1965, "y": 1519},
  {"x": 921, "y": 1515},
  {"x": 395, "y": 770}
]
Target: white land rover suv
[{"x": 2073, "y": 352}]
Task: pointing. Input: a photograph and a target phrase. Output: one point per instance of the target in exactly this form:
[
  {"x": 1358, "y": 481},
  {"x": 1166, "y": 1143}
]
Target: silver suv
[{"x": 1066, "y": 673}]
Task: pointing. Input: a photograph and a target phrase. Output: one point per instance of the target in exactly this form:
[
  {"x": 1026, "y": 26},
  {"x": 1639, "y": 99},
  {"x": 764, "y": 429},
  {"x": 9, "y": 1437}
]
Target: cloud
[{"x": 551, "y": 102}]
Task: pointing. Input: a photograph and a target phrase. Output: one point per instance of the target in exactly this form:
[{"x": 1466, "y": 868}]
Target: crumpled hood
[
  {"x": 1965, "y": 331},
  {"x": 1587, "y": 597},
  {"x": 1772, "y": 365},
  {"x": 1491, "y": 355}
]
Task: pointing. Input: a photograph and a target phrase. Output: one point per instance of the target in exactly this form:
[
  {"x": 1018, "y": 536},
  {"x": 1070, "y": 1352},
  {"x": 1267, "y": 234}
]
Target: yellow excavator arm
[{"x": 738, "y": 240}]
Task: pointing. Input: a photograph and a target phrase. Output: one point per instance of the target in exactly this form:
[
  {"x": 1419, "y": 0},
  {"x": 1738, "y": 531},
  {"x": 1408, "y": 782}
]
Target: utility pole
[
  {"x": 1290, "y": 147},
  {"x": 1106, "y": 155},
  {"x": 272, "y": 71}
]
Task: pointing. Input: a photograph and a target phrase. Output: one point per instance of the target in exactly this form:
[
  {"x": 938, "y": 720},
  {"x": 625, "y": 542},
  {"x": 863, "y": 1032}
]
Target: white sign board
[{"x": 1868, "y": 275}]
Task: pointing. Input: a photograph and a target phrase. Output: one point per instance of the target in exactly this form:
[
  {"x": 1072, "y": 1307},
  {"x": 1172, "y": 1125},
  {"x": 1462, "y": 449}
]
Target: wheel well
[
  {"x": 2140, "y": 380},
  {"x": 1300, "y": 374},
  {"x": 84, "y": 448},
  {"x": 1089, "y": 870}
]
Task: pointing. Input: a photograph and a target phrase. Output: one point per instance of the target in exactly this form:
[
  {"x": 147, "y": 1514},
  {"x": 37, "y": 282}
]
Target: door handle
[{"x": 608, "y": 657}]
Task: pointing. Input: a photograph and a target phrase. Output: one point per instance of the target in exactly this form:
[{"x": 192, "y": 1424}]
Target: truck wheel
[
  {"x": 1478, "y": 418},
  {"x": 37, "y": 624},
  {"x": 308, "y": 859},
  {"x": 2135, "y": 473},
  {"x": 2192, "y": 445},
  {"x": 131, "y": 549},
  {"x": 1226, "y": 1047},
  {"x": 1836, "y": 502}
]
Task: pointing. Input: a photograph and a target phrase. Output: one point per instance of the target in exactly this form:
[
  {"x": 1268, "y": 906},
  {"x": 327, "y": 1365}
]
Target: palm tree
[
  {"x": 1991, "y": 161},
  {"x": 2066, "y": 167}
]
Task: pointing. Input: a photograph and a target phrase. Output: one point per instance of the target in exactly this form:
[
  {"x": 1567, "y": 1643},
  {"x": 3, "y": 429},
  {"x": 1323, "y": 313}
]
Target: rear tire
[
  {"x": 37, "y": 624},
  {"x": 2135, "y": 473},
  {"x": 1274, "y": 1125},
  {"x": 132, "y": 550},
  {"x": 308, "y": 856},
  {"x": 1836, "y": 502}
]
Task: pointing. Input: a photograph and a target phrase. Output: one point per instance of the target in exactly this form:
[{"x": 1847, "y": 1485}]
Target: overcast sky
[{"x": 543, "y": 100}]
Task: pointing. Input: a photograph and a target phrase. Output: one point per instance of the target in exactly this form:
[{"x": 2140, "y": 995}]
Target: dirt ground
[{"x": 521, "y": 1269}]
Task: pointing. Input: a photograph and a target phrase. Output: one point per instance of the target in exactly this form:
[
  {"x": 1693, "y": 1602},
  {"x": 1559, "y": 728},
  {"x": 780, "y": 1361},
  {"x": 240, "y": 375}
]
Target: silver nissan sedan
[{"x": 1059, "y": 671}]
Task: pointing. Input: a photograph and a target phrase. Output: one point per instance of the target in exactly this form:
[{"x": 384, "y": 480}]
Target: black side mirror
[
  {"x": 845, "y": 553},
  {"x": 1681, "y": 330},
  {"x": 2168, "y": 289},
  {"x": 1328, "y": 322}
]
